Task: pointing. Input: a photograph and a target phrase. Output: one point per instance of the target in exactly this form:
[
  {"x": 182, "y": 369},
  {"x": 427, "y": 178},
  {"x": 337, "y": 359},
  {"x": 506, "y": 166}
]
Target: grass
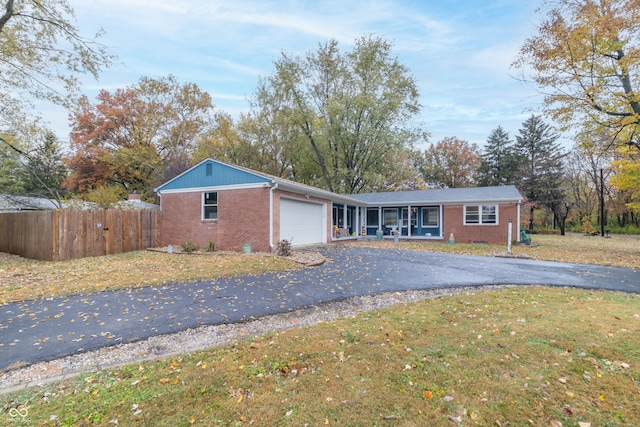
[
  {"x": 616, "y": 251},
  {"x": 516, "y": 356},
  {"x": 22, "y": 279}
]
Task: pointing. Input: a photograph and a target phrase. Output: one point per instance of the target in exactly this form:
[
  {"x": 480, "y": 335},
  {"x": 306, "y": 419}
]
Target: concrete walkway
[{"x": 38, "y": 331}]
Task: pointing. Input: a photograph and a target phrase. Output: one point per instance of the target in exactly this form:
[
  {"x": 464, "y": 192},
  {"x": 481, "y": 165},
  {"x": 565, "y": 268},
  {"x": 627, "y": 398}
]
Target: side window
[
  {"x": 210, "y": 206},
  {"x": 472, "y": 215},
  {"x": 481, "y": 214},
  {"x": 489, "y": 214}
]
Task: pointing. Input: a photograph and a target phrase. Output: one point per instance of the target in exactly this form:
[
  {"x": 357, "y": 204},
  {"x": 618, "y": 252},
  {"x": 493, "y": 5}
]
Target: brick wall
[
  {"x": 454, "y": 223},
  {"x": 243, "y": 217}
]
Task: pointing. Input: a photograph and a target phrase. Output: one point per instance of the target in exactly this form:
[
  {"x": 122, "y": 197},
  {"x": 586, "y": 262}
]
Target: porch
[{"x": 410, "y": 222}]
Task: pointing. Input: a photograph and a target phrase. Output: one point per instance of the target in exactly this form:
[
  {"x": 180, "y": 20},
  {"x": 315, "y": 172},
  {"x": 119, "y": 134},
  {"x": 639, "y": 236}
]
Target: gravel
[{"x": 204, "y": 337}]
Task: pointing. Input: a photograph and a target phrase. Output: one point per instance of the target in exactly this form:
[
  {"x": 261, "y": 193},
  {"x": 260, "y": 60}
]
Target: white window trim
[
  {"x": 203, "y": 205},
  {"x": 437, "y": 219},
  {"x": 384, "y": 210},
  {"x": 479, "y": 206}
]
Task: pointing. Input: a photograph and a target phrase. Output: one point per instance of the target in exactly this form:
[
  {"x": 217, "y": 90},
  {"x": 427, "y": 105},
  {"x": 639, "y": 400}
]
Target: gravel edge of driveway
[{"x": 191, "y": 340}]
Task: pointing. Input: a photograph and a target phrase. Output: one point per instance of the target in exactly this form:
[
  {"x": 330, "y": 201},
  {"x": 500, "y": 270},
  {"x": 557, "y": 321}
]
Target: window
[
  {"x": 209, "y": 169},
  {"x": 489, "y": 214},
  {"x": 372, "y": 217},
  {"x": 481, "y": 214},
  {"x": 210, "y": 206},
  {"x": 390, "y": 217},
  {"x": 430, "y": 216}
]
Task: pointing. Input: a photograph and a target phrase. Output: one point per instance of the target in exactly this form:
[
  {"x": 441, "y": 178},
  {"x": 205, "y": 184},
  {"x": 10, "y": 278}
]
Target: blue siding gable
[{"x": 211, "y": 173}]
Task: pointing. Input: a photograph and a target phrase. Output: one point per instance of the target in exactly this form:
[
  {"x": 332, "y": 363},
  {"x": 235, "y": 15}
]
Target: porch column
[
  {"x": 344, "y": 216},
  {"x": 356, "y": 220},
  {"x": 409, "y": 221}
]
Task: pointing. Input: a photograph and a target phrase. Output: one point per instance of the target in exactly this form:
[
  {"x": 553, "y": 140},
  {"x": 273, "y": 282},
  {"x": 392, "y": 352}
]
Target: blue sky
[{"x": 459, "y": 51}]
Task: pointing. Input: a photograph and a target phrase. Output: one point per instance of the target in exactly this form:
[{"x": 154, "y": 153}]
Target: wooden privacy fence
[{"x": 58, "y": 235}]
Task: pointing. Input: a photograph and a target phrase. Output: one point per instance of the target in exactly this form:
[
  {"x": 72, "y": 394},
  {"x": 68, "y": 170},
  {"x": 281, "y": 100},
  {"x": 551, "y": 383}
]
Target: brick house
[{"x": 231, "y": 206}]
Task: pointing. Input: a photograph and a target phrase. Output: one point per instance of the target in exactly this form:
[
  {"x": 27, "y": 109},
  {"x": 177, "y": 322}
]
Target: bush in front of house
[
  {"x": 189, "y": 247},
  {"x": 283, "y": 248}
]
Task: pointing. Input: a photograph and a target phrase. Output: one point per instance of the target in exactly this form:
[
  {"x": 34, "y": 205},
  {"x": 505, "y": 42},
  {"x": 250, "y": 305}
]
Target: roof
[
  {"x": 223, "y": 174},
  {"x": 210, "y": 174},
  {"x": 11, "y": 203},
  {"x": 505, "y": 193}
]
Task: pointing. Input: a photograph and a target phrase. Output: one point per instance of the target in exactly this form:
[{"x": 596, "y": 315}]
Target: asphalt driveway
[{"x": 36, "y": 331}]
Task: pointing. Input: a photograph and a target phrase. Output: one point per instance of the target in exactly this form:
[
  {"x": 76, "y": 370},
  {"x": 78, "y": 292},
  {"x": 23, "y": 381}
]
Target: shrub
[
  {"x": 211, "y": 247},
  {"x": 189, "y": 247},
  {"x": 283, "y": 248},
  {"x": 587, "y": 227}
]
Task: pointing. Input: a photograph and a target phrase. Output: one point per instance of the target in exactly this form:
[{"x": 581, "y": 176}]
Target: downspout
[{"x": 274, "y": 185}]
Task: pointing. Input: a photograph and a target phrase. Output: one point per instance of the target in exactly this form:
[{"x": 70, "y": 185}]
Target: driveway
[{"x": 44, "y": 330}]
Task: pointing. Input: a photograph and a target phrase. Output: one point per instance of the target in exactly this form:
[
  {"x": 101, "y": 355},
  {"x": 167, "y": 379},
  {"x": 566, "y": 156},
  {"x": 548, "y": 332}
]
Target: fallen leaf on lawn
[
  {"x": 563, "y": 380},
  {"x": 581, "y": 424},
  {"x": 602, "y": 398},
  {"x": 428, "y": 395},
  {"x": 570, "y": 394},
  {"x": 164, "y": 380},
  {"x": 555, "y": 423}
]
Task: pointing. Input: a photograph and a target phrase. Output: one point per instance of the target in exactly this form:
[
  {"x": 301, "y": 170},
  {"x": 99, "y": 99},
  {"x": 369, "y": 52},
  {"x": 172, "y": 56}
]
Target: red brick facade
[
  {"x": 498, "y": 233},
  {"x": 243, "y": 217}
]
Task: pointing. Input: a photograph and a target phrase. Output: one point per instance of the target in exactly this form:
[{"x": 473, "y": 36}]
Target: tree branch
[{"x": 7, "y": 15}]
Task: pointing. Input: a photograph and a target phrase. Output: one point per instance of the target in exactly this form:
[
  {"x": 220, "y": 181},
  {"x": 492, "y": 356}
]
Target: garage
[{"x": 302, "y": 222}]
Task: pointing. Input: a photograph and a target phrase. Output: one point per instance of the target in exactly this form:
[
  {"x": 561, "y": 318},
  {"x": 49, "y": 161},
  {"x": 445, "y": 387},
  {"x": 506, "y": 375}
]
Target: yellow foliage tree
[
  {"x": 627, "y": 176},
  {"x": 585, "y": 58}
]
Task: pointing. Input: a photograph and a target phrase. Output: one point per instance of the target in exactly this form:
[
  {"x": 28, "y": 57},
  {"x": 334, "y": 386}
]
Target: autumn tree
[
  {"x": 627, "y": 177},
  {"x": 498, "y": 162},
  {"x": 585, "y": 60},
  {"x": 41, "y": 55},
  {"x": 540, "y": 172},
  {"x": 137, "y": 137},
  {"x": 268, "y": 138},
  {"x": 450, "y": 163},
  {"x": 349, "y": 111}
]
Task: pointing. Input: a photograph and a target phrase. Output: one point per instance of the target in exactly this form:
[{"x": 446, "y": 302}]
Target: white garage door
[{"x": 302, "y": 221}]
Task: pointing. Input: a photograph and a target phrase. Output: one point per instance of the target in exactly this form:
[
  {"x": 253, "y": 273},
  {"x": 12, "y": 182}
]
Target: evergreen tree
[
  {"x": 498, "y": 162},
  {"x": 540, "y": 171},
  {"x": 44, "y": 170},
  {"x": 10, "y": 170}
]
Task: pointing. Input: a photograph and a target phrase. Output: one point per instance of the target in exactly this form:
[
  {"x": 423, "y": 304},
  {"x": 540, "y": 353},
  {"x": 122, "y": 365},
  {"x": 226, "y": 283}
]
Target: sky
[{"x": 458, "y": 51}]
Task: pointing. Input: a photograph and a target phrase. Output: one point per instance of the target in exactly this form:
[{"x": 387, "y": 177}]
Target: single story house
[{"x": 231, "y": 206}]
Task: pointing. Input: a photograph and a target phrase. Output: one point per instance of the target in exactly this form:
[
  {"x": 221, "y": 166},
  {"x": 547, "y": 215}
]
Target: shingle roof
[
  {"x": 507, "y": 193},
  {"x": 227, "y": 174}
]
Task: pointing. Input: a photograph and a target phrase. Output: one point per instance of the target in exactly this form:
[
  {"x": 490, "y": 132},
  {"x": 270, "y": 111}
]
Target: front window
[
  {"x": 390, "y": 217},
  {"x": 481, "y": 214},
  {"x": 372, "y": 217},
  {"x": 210, "y": 206},
  {"x": 430, "y": 216}
]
